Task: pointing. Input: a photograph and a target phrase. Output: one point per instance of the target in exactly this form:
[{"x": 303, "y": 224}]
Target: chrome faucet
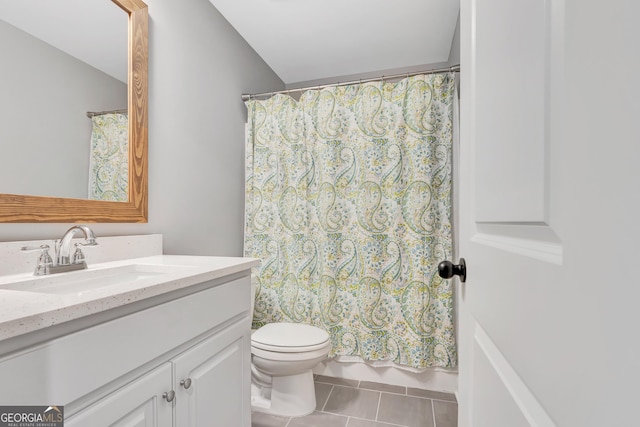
[
  {"x": 63, "y": 246},
  {"x": 63, "y": 259}
]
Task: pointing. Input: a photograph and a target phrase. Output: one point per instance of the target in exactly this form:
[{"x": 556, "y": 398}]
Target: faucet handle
[
  {"x": 44, "y": 262},
  {"x": 78, "y": 256}
]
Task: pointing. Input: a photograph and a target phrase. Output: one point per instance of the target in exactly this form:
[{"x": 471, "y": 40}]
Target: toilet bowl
[{"x": 282, "y": 358}]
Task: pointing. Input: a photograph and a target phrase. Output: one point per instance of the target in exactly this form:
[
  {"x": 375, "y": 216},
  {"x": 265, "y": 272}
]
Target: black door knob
[{"x": 447, "y": 269}]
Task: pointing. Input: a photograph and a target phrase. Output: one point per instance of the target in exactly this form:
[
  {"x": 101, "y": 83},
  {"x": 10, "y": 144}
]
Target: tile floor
[{"x": 351, "y": 403}]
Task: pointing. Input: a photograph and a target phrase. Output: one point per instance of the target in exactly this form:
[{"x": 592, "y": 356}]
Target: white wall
[
  {"x": 198, "y": 68},
  {"x": 454, "y": 53},
  {"x": 368, "y": 75}
]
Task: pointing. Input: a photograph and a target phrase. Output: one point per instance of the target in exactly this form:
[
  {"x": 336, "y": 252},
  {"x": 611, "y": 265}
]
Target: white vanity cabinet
[
  {"x": 191, "y": 347},
  {"x": 208, "y": 382}
]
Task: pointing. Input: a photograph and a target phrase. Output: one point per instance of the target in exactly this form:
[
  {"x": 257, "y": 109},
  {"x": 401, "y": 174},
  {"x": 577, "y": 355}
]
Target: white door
[
  {"x": 212, "y": 380},
  {"x": 549, "y": 212}
]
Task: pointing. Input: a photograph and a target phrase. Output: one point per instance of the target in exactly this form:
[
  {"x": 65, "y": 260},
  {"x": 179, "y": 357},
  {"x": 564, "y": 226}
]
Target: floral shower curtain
[
  {"x": 109, "y": 158},
  {"x": 348, "y": 205}
]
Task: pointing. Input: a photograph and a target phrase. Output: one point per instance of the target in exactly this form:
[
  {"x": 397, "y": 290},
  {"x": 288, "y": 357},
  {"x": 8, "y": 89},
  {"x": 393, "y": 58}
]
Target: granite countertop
[{"x": 32, "y": 303}]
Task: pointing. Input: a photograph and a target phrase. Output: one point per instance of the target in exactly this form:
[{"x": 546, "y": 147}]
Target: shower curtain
[
  {"x": 109, "y": 158},
  {"x": 348, "y": 205}
]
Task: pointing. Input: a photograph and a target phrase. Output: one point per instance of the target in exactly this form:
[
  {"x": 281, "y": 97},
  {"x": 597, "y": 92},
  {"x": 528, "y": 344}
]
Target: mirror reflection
[{"x": 63, "y": 119}]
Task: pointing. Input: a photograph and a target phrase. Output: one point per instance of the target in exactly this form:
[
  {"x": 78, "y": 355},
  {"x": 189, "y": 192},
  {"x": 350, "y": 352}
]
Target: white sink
[{"x": 84, "y": 281}]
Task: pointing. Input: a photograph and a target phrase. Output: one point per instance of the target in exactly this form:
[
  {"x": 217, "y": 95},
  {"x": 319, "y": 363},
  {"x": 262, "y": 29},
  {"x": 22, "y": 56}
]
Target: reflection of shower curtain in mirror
[
  {"x": 348, "y": 205},
  {"x": 109, "y": 158}
]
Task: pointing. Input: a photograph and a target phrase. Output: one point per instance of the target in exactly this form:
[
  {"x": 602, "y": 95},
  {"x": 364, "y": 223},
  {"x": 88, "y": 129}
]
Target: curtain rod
[
  {"x": 100, "y": 113},
  {"x": 454, "y": 68}
]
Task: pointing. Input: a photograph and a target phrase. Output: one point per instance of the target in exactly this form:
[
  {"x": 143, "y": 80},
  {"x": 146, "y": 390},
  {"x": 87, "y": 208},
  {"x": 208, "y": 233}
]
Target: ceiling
[
  {"x": 301, "y": 40},
  {"x": 103, "y": 25},
  {"x": 304, "y": 40}
]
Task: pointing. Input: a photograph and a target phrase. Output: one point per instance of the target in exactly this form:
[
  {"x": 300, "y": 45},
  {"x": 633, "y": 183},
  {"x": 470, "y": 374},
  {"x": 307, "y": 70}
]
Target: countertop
[{"x": 24, "y": 311}]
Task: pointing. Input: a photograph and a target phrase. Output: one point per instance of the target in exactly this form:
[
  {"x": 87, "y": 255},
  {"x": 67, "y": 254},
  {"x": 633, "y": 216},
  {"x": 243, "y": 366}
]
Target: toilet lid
[{"x": 284, "y": 336}]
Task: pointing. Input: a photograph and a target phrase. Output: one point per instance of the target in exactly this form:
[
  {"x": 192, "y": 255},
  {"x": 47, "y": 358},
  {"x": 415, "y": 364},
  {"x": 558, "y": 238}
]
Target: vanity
[{"x": 138, "y": 338}]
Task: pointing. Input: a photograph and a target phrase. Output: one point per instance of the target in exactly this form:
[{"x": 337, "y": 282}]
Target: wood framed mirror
[{"x": 27, "y": 209}]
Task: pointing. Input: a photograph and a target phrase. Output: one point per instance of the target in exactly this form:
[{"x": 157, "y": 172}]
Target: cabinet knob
[
  {"x": 169, "y": 395},
  {"x": 186, "y": 383}
]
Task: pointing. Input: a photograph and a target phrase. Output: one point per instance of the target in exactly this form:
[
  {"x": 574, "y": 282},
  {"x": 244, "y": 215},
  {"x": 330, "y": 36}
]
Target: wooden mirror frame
[{"x": 21, "y": 208}]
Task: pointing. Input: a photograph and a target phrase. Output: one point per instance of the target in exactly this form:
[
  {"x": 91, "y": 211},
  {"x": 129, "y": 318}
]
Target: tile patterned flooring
[{"x": 351, "y": 403}]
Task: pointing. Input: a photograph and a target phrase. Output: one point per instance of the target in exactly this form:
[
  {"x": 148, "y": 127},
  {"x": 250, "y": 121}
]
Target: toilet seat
[
  {"x": 291, "y": 356},
  {"x": 280, "y": 349},
  {"x": 289, "y": 338}
]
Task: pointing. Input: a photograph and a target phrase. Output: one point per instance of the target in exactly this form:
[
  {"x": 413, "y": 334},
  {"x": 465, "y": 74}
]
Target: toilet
[{"x": 282, "y": 358}]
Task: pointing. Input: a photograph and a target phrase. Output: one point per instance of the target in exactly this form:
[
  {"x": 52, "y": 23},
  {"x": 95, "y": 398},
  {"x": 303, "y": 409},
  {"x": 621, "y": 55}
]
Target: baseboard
[{"x": 436, "y": 379}]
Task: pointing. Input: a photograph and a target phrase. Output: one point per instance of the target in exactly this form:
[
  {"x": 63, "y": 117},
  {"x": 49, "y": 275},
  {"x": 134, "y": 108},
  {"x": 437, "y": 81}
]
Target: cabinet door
[
  {"x": 138, "y": 404},
  {"x": 219, "y": 369}
]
